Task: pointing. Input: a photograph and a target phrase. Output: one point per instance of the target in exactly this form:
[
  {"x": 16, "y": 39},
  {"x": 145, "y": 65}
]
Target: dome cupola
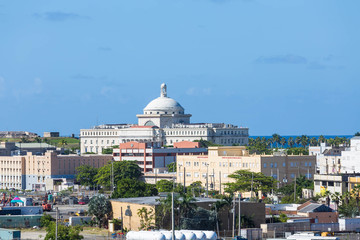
[{"x": 163, "y": 104}]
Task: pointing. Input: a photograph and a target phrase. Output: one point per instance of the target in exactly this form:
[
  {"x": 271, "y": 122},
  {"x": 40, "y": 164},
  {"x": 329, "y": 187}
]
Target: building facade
[
  {"x": 163, "y": 120},
  {"x": 151, "y": 156},
  {"x": 220, "y": 162},
  {"x": 31, "y": 171},
  {"x": 350, "y": 158}
]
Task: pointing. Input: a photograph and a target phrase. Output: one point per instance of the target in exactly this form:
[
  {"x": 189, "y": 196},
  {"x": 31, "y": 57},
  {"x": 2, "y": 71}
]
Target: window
[
  {"x": 291, "y": 164},
  {"x": 264, "y": 165},
  {"x": 330, "y": 183},
  {"x": 271, "y": 165},
  {"x": 188, "y": 174},
  {"x": 196, "y": 174},
  {"x": 275, "y": 164},
  {"x": 284, "y": 164},
  {"x": 309, "y": 164},
  {"x": 292, "y": 175},
  {"x": 305, "y": 164},
  {"x": 337, "y": 184}
]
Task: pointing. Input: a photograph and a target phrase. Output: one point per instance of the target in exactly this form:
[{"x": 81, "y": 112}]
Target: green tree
[
  {"x": 357, "y": 134},
  {"x": 164, "y": 185},
  {"x": 128, "y": 187},
  {"x": 37, "y": 139},
  {"x": 63, "y": 143},
  {"x": 64, "y": 232},
  {"x": 304, "y": 140},
  {"x": 45, "y": 220},
  {"x": 100, "y": 208},
  {"x": 276, "y": 139},
  {"x": 283, "y": 217},
  {"x": 244, "y": 179},
  {"x": 147, "y": 218},
  {"x": 86, "y": 175},
  {"x": 313, "y": 141},
  {"x": 107, "y": 151},
  {"x": 298, "y": 140},
  {"x": 291, "y": 142},
  {"x": 336, "y": 197},
  {"x": 283, "y": 142},
  {"x": 171, "y": 167},
  {"x": 322, "y": 139},
  {"x": 122, "y": 169}
]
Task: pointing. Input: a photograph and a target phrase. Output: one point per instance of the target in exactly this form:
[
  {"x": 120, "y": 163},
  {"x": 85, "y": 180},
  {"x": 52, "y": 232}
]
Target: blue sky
[{"x": 290, "y": 67}]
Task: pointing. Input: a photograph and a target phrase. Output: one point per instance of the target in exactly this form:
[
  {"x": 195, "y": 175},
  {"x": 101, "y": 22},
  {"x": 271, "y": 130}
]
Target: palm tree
[
  {"x": 336, "y": 197},
  {"x": 327, "y": 194},
  {"x": 356, "y": 192},
  {"x": 291, "y": 142},
  {"x": 283, "y": 142},
  {"x": 313, "y": 141},
  {"x": 297, "y": 140},
  {"x": 276, "y": 139},
  {"x": 322, "y": 139},
  {"x": 331, "y": 141},
  {"x": 346, "y": 197},
  {"x": 304, "y": 140}
]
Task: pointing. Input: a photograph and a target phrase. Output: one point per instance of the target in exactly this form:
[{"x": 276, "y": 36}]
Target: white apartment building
[
  {"x": 350, "y": 158},
  {"x": 163, "y": 120}
]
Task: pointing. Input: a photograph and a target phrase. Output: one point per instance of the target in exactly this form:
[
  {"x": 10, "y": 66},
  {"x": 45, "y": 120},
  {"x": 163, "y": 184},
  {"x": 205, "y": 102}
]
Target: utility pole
[
  {"x": 172, "y": 216},
  {"x": 233, "y": 223},
  {"x": 252, "y": 181},
  {"x": 239, "y": 233},
  {"x": 213, "y": 179},
  {"x": 207, "y": 180},
  {"x": 278, "y": 179},
  {"x": 272, "y": 187},
  {"x": 220, "y": 182},
  {"x": 184, "y": 181},
  {"x": 56, "y": 228}
]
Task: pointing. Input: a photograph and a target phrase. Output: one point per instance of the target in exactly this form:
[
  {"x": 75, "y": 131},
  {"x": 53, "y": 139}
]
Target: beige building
[
  {"x": 31, "y": 171},
  {"x": 223, "y": 161},
  {"x": 12, "y": 169}
]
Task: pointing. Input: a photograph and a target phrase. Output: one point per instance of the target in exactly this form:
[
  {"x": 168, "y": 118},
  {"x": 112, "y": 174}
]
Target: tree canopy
[
  {"x": 244, "y": 179},
  {"x": 122, "y": 170},
  {"x": 64, "y": 232},
  {"x": 86, "y": 175},
  {"x": 100, "y": 208},
  {"x": 127, "y": 187}
]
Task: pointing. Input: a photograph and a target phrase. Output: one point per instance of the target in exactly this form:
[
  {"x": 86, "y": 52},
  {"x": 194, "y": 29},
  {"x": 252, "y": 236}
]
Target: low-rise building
[
  {"x": 151, "y": 155},
  {"x": 220, "y": 162},
  {"x": 31, "y": 171},
  {"x": 329, "y": 162},
  {"x": 127, "y": 209},
  {"x": 330, "y": 182},
  {"x": 51, "y": 134}
]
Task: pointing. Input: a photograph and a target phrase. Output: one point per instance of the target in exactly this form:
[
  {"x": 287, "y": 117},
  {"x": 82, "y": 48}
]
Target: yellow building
[
  {"x": 353, "y": 181},
  {"x": 223, "y": 161}
]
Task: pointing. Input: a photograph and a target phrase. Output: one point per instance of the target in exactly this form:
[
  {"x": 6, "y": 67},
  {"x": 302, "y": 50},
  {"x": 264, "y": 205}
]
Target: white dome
[{"x": 164, "y": 104}]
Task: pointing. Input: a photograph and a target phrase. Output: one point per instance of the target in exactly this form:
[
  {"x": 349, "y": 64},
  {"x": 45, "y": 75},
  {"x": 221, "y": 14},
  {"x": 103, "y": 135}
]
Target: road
[{"x": 65, "y": 209}]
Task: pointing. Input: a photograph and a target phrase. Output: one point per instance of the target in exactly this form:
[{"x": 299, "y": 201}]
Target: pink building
[{"x": 151, "y": 155}]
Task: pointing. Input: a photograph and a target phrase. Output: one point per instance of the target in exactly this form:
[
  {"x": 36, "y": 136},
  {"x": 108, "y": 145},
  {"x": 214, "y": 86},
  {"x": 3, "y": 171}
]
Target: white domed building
[
  {"x": 163, "y": 112},
  {"x": 163, "y": 121}
]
